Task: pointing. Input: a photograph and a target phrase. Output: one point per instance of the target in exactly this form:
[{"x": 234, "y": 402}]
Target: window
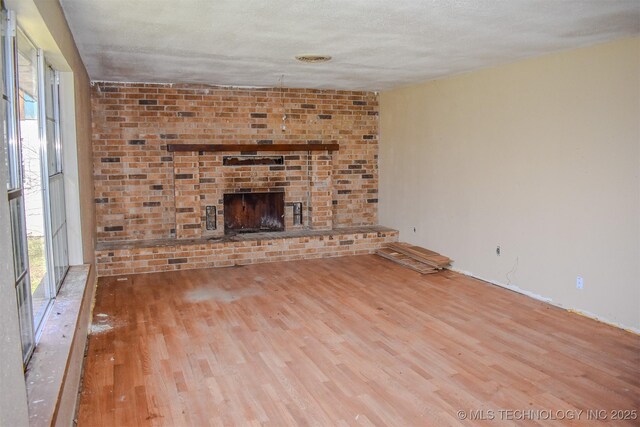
[
  {"x": 14, "y": 184},
  {"x": 56, "y": 178},
  {"x": 35, "y": 187}
]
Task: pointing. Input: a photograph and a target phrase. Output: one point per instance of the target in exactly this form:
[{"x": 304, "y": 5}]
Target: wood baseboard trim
[{"x": 549, "y": 301}]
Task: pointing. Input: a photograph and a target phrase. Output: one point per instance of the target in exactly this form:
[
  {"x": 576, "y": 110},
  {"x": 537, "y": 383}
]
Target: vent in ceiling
[{"x": 313, "y": 59}]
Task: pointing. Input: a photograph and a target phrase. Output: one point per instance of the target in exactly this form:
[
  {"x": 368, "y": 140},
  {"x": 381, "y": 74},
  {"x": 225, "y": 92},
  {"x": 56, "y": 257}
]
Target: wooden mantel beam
[{"x": 243, "y": 148}]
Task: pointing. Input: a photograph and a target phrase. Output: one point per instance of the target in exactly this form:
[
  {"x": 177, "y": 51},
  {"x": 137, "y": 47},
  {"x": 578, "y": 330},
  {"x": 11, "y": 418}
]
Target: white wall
[{"x": 541, "y": 157}]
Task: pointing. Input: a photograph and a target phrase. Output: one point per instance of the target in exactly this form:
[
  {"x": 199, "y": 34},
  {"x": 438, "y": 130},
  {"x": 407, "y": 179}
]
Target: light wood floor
[{"x": 342, "y": 341}]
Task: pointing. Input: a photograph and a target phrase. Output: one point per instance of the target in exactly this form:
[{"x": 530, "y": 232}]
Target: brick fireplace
[
  {"x": 150, "y": 196},
  {"x": 201, "y": 181}
]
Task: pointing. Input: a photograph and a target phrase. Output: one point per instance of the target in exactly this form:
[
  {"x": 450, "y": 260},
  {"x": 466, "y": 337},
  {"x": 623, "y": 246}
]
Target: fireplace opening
[{"x": 253, "y": 212}]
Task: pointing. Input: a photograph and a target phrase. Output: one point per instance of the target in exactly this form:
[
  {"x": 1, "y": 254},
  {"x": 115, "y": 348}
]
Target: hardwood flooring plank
[{"x": 354, "y": 341}]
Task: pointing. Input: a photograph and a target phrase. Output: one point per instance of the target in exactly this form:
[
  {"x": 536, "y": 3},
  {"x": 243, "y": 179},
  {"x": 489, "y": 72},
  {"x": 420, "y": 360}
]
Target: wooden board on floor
[
  {"x": 406, "y": 261},
  {"x": 422, "y": 255}
]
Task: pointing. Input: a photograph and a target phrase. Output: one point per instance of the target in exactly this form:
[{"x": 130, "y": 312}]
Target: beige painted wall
[{"x": 541, "y": 157}]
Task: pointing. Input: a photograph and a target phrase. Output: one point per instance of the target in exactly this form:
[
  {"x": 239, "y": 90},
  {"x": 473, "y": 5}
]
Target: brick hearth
[{"x": 116, "y": 258}]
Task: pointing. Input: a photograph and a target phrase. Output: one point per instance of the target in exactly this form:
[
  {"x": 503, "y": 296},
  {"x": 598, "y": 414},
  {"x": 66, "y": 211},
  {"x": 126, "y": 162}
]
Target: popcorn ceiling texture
[
  {"x": 143, "y": 192},
  {"x": 375, "y": 44}
]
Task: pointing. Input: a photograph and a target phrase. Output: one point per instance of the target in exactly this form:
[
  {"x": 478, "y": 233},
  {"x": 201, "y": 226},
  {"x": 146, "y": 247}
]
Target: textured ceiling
[{"x": 376, "y": 44}]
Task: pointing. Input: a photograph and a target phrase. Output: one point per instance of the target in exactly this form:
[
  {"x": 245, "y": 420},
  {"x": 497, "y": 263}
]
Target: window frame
[{"x": 48, "y": 103}]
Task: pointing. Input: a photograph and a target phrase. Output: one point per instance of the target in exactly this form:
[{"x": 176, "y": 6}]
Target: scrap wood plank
[
  {"x": 403, "y": 245},
  {"x": 406, "y": 261},
  {"x": 423, "y": 255}
]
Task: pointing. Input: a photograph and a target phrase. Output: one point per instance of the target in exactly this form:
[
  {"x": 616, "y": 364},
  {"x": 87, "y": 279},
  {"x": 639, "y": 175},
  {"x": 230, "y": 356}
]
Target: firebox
[{"x": 253, "y": 212}]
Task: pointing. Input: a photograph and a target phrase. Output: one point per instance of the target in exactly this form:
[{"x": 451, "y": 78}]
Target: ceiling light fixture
[{"x": 313, "y": 59}]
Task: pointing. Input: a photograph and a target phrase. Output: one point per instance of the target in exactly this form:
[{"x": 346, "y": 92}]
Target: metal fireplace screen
[{"x": 253, "y": 212}]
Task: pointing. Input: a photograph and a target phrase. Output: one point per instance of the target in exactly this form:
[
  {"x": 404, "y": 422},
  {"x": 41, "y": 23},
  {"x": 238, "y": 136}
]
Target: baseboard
[{"x": 551, "y": 302}]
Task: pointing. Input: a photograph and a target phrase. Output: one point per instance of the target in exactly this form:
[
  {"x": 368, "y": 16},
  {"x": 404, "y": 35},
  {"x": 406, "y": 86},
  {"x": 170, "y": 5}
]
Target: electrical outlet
[
  {"x": 498, "y": 250},
  {"x": 579, "y": 282}
]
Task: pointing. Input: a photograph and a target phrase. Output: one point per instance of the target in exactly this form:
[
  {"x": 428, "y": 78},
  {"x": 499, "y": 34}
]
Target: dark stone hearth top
[{"x": 243, "y": 237}]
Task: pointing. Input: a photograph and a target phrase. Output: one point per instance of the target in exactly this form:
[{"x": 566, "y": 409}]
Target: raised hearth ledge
[
  {"x": 242, "y": 237},
  {"x": 120, "y": 258}
]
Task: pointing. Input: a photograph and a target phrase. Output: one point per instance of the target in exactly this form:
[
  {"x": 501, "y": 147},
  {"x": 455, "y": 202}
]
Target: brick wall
[{"x": 144, "y": 192}]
